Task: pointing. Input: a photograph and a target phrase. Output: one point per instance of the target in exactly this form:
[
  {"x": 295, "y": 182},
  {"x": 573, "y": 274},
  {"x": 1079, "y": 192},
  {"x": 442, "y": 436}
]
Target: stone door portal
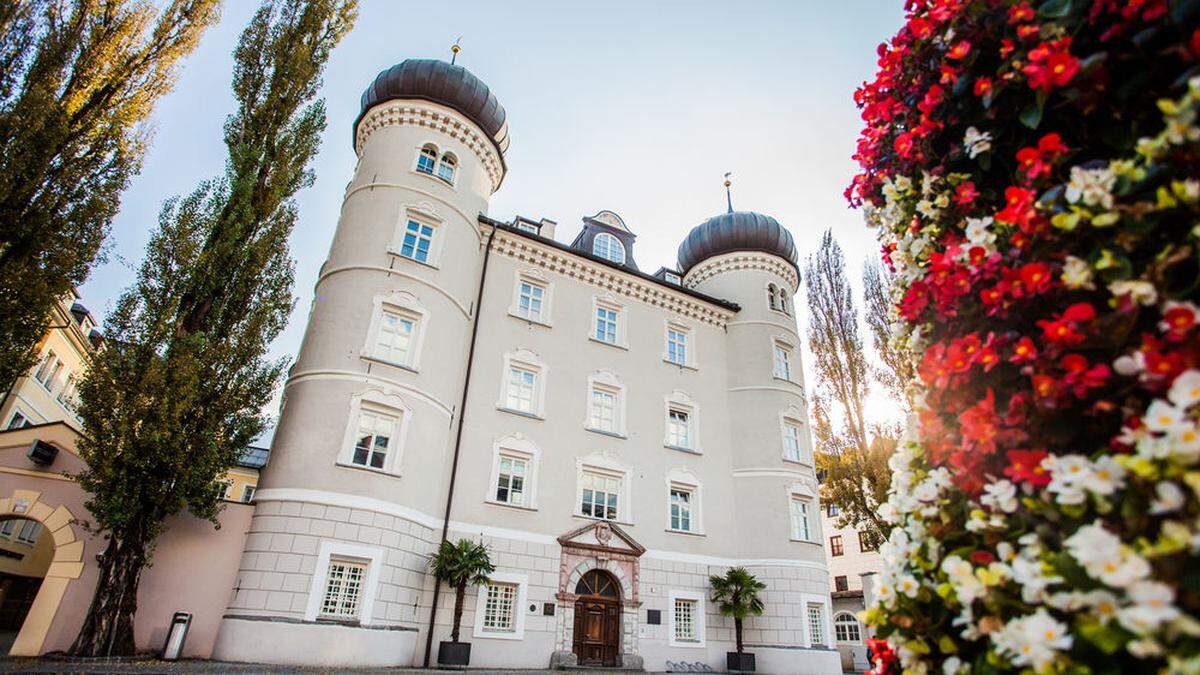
[{"x": 597, "y": 619}]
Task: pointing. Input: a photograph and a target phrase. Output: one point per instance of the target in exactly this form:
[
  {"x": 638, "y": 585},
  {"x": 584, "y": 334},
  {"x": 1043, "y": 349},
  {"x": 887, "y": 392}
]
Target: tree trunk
[
  {"x": 737, "y": 631},
  {"x": 460, "y": 593},
  {"x": 108, "y": 628}
]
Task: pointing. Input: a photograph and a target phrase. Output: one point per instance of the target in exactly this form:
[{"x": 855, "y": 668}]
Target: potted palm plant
[
  {"x": 736, "y": 595},
  {"x": 462, "y": 564}
]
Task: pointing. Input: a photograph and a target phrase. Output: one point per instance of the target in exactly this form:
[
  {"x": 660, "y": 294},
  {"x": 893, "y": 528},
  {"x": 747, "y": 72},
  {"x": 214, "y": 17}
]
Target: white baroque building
[{"x": 614, "y": 437}]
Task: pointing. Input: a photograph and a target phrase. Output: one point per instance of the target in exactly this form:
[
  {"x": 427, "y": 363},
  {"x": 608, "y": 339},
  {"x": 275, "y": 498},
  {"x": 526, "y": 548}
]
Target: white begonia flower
[
  {"x": 1185, "y": 390},
  {"x": 1092, "y": 186},
  {"x": 952, "y": 665},
  {"x": 908, "y": 585},
  {"x": 1144, "y": 648},
  {"x": 1169, "y": 498},
  {"x": 1104, "y": 557},
  {"x": 1103, "y": 603},
  {"x": 979, "y": 231},
  {"x": 1077, "y": 274},
  {"x": 1140, "y": 292},
  {"x": 1130, "y": 364},
  {"x": 1001, "y": 495},
  {"x": 1184, "y": 443},
  {"x": 976, "y": 142},
  {"x": 1034, "y": 640},
  {"x": 1028, "y": 572},
  {"x": 1068, "y": 473},
  {"x": 1107, "y": 476},
  {"x": 961, "y": 576},
  {"x": 1162, "y": 416}
]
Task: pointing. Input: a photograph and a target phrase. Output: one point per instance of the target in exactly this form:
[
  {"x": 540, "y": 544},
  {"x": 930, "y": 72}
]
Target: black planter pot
[
  {"x": 454, "y": 654},
  {"x": 739, "y": 663}
]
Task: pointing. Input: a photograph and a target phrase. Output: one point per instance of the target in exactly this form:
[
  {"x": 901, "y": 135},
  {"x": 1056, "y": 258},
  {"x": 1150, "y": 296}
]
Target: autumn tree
[
  {"x": 78, "y": 80},
  {"x": 853, "y": 454},
  {"x": 178, "y": 395},
  {"x": 899, "y": 368}
]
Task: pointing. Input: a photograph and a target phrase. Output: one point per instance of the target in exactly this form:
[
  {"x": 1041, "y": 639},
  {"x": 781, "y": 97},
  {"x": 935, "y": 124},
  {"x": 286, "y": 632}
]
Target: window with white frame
[
  {"x": 791, "y": 441},
  {"x": 681, "y": 499},
  {"x": 783, "y": 361},
  {"x": 816, "y": 624},
  {"x": 522, "y": 388},
  {"x": 500, "y": 608},
  {"x": 801, "y": 528},
  {"x": 672, "y": 278},
  {"x": 446, "y": 168},
  {"x": 394, "y": 337},
  {"x": 18, "y": 420},
  {"x": 372, "y": 442},
  {"x": 608, "y": 247},
  {"x": 28, "y": 534},
  {"x": 248, "y": 494},
  {"x": 677, "y": 345},
  {"x": 530, "y": 298},
  {"x": 343, "y": 589},
  {"x": 511, "y": 478},
  {"x": 846, "y": 628},
  {"x": 7, "y": 528},
  {"x": 528, "y": 227},
  {"x": 685, "y": 620},
  {"x": 48, "y": 370},
  {"x": 607, "y": 318},
  {"x": 69, "y": 396},
  {"x": 679, "y": 427},
  {"x": 427, "y": 159},
  {"x": 602, "y": 413},
  {"x": 417, "y": 241},
  {"x": 599, "y": 495}
]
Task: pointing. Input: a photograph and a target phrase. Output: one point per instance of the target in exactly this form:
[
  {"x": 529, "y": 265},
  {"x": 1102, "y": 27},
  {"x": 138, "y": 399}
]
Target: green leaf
[
  {"x": 1031, "y": 116},
  {"x": 1108, "y": 638},
  {"x": 1054, "y": 9}
]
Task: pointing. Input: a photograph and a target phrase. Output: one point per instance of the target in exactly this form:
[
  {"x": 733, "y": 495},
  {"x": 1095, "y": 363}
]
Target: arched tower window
[
  {"x": 772, "y": 296},
  {"x": 427, "y": 159},
  {"x": 446, "y": 167},
  {"x": 609, "y": 247}
]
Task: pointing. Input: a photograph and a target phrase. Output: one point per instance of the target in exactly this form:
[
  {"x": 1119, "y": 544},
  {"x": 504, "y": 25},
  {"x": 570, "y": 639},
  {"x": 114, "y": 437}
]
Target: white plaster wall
[{"x": 854, "y": 561}]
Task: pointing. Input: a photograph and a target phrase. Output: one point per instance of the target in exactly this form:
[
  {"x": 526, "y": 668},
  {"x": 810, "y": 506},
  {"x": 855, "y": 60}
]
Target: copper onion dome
[{"x": 736, "y": 231}]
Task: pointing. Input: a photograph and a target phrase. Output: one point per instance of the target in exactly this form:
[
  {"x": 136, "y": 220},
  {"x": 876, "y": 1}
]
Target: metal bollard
[{"x": 176, "y": 634}]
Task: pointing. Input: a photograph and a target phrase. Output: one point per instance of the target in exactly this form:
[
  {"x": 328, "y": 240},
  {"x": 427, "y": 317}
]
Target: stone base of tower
[{"x": 326, "y": 645}]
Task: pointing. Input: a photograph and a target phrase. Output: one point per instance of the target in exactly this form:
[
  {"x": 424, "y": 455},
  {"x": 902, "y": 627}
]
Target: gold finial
[
  {"x": 728, "y": 192},
  {"x": 455, "y": 49}
]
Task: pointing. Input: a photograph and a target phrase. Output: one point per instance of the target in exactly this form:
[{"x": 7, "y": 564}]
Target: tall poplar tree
[
  {"x": 78, "y": 79},
  {"x": 852, "y": 457},
  {"x": 178, "y": 394}
]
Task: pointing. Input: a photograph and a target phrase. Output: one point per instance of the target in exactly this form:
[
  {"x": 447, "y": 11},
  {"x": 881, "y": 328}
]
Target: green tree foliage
[
  {"x": 736, "y": 594},
  {"x": 178, "y": 394},
  {"x": 899, "y": 369},
  {"x": 462, "y": 564},
  {"x": 853, "y": 457},
  {"x": 78, "y": 79}
]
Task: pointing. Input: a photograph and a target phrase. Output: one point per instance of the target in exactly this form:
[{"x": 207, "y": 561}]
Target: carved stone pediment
[{"x": 602, "y": 537}]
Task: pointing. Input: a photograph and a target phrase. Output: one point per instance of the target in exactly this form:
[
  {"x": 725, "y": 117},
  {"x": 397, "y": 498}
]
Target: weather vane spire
[
  {"x": 455, "y": 49},
  {"x": 728, "y": 192}
]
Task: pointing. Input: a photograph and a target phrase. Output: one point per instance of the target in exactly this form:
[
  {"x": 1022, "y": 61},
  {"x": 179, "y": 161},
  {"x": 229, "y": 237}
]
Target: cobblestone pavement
[{"x": 54, "y": 665}]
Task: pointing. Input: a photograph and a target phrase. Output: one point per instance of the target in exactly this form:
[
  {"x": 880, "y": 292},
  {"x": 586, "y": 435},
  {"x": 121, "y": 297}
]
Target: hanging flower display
[{"x": 1033, "y": 173}]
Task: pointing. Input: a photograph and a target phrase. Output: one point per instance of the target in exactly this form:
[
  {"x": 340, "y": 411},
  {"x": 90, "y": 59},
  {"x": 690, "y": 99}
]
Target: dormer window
[
  {"x": 609, "y": 247},
  {"x": 672, "y": 278},
  {"x": 427, "y": 159},
  {"x": 446, "y": 168}
]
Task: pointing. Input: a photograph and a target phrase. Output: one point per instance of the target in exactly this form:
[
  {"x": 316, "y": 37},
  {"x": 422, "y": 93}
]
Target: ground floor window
[
  {"x": 343, "y": 589},
  {"x": 499, "y": 608},
  {"x": 816, "y": 624},
  {"x": 685, "y": 620},
  {"x": 846, "y": 628}
]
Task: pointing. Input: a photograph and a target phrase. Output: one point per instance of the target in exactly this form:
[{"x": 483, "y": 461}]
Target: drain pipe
[{"x": 462, "y": 418}]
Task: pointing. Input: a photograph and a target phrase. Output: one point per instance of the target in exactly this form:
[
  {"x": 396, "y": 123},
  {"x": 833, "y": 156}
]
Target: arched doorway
[
  {"x": 26, "y": 551},
  {"x": 597, "y": 619}
]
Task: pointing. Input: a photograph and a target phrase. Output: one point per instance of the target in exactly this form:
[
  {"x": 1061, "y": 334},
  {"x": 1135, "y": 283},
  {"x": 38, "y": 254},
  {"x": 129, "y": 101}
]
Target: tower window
[
  {"x": 394, "y": 340},
  {"x": 783, "y": 366},
  {"x": 427, "y": 159},
  {"x": 609, "y": 247},
  {"x": 374, "y": 433},
  {"x": 418, "y": 238},
  {"x": 343, "y": 589},
  {"x": 446, "y": 168}
]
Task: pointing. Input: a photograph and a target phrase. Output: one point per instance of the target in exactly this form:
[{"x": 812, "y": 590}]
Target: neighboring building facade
[
  {"x": 853, "y": 560},
  {"x": 49, "y": 393},
  {"x": 614, "y": 437}
]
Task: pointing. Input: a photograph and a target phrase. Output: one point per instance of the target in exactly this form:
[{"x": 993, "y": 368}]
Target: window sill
[
  {"x": 610, "y": 434},
  {"x": 603, "y": 520},
  {"x": 485, "y": 635},
  {"x": 519, "y": 507},
  {"x": 434, "y": 177},
  {"x": 424, "y": 263},
  {"x": 681, "y": 366},
  {"x": 359, "y": 467},
  {"x": 520, "y": 413},
  {"x": 787, "y": 380},
  {"x": 679, "y": 448},
  {"x": 615, "y": 345},
  {"x": 533, "y": 322},
  {"x": 393, "y": 364},
  {"x": 688, "y": 533},
  {"x": 804, "y": 541},
  {"x": 798, "y": 462},
  {"x": 686, "y": 644}
]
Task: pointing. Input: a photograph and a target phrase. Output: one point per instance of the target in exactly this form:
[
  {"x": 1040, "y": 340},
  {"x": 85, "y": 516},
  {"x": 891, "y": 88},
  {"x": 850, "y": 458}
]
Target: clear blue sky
[{"x": 638, "y": 107}]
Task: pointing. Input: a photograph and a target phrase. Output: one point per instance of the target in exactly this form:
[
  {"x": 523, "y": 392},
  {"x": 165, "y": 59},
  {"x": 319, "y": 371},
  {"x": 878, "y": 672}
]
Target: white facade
[
  {"x": 612, "y": 421},
  {"x": 853, "y": 561}
]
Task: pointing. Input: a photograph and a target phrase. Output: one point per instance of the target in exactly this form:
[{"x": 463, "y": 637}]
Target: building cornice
[
  {"x": 436, "y": 117},
  {"x": 531, "y": 251},
  {"x": 743, "y": 260}
]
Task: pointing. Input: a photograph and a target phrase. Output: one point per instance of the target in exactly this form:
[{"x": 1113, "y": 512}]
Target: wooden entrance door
[{"x": 597, "y": 620}]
